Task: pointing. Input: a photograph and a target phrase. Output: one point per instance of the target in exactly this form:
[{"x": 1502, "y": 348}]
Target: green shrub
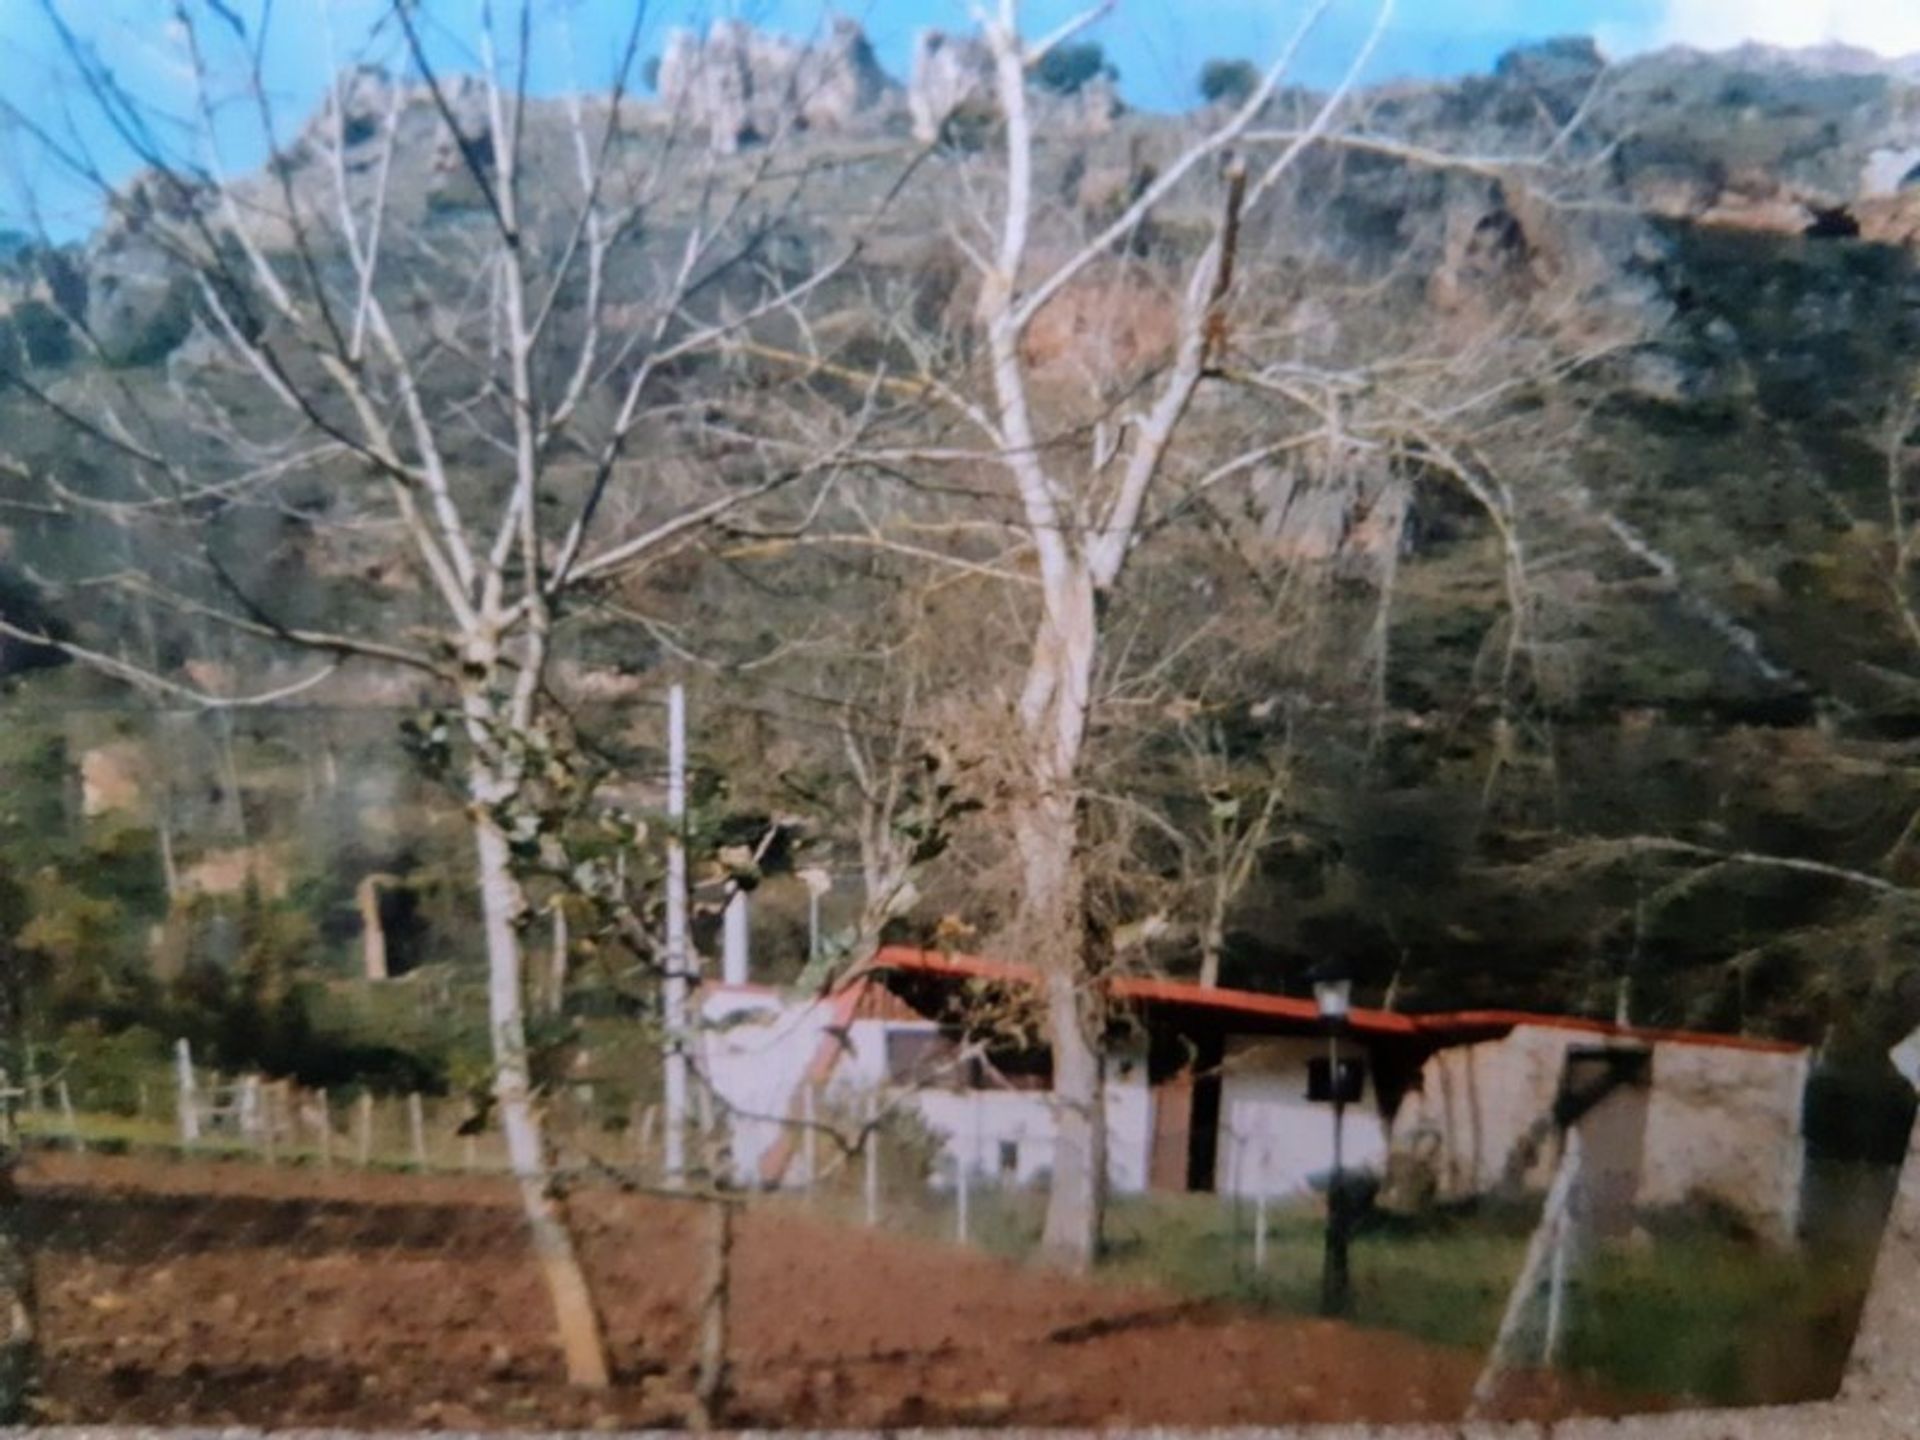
[
  {"x": 1067, "y": 69},
  {"x": 1229, "y": 81}
]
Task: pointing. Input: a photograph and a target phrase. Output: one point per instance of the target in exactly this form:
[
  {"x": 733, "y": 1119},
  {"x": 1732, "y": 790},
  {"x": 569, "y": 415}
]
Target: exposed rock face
[
  {"x": 953, "y": 77},
  {"x": 741, "y": 85},
  {"x": 1560, "y": 73},
  {"x": 951, "y": 74},
  {"x": 139, "y": 302}
]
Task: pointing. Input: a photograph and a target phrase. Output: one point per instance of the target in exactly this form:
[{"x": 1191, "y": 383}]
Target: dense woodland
[{"x": 1523, "y": 615}]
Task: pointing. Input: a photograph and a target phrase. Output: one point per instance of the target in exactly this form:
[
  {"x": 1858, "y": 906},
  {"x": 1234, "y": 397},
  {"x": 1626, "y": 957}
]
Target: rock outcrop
[
  {"x": 952, "y": 75},
  {"x": 741, "y": 86},
  {"x": 952, "y": 80}
]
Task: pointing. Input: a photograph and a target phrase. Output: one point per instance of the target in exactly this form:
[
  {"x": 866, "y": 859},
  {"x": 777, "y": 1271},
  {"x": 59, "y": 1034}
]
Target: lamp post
[{"x": 1331, "y": 993}]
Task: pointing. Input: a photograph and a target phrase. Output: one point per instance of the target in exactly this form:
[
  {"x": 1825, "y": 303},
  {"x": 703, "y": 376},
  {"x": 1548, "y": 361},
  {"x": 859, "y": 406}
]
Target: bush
[
  {"x": 1231, "y": 81},
  {"x": 1067, "y": 69},
  {"x": 104, "y": 1071}
]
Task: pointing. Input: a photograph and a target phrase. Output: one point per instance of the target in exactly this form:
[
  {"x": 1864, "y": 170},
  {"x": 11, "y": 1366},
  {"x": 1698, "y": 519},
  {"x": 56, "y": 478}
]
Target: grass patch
[{"x": 1694, "y": 1313}]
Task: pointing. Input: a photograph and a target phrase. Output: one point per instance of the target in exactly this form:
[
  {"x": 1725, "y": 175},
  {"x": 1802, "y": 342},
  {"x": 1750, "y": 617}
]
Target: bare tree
[
  {"x": 460, "y": 393},
  {"x": 1079, "y": 514}
]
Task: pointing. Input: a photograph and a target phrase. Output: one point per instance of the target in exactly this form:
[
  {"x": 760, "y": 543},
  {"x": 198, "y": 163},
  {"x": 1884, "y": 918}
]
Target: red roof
[{"x": 1463, "y": 1027}]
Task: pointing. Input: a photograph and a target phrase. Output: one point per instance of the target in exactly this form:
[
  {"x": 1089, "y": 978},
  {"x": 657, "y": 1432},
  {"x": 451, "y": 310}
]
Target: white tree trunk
[
  {"x": 581, "y": 1339},
  {"x": 1053, "y": 922},
  {"x": 1213, "y": 939}
]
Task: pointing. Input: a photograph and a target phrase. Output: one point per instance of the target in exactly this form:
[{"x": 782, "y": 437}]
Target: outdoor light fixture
[{"x": 1332, "y": 992}]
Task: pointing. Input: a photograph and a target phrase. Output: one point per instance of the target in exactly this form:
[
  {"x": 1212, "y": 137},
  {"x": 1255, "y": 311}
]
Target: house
[{"x": 1222, "y": 1090}]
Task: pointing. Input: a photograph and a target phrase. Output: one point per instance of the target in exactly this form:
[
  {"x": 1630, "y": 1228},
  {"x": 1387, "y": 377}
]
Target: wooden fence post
[
  {"x": 325, "y": 1104},
  {"x": 417, "y": 1129}
]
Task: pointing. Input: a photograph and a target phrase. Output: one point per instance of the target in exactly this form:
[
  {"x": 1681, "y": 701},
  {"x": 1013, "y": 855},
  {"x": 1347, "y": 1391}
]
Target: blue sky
[{"x": 1158, "y": 45}]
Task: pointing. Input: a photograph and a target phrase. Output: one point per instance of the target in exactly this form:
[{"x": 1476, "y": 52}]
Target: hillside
[{"x": 1714, "y": 257}]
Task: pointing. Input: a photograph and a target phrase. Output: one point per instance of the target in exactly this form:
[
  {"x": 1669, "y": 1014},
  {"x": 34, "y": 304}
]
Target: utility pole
[{"x": 675, "y": 990}]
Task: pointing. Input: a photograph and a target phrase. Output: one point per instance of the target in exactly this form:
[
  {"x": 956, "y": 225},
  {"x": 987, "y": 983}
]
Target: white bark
[{"x": 578, "y": 1324}]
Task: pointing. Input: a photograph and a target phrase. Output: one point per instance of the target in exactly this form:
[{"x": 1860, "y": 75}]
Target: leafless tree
[
  {"x": 1079, "y": 515},
  {"x": 442, "y": 343}
]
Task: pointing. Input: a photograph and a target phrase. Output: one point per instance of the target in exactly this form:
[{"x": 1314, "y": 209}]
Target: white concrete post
[
  {"x": 189, "y": 1106},
  {"x": 873, "y": 1160},
  {"x": 1556, "y": 1292},
  {"x": 818, "y": 882},
  {"x": 734, "y": 940},
  {"x": 363, "y": 1127},
  {"x": 1260, "y": 1210},
  {"x": 809, "y": 1135},
  {"x": 961, "y": 1181},
  {"x": 674, "y": 997},
  {"x": 417, "y": 1129},
  {"x": 649, "y": 1122},
  {"x": 67, "y": 1116},
  {"x": 246, "y": 1102}
]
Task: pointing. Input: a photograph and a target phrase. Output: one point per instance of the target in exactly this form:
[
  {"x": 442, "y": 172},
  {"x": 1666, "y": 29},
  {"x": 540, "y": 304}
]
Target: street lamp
[{"x": 1332, "y": 992}]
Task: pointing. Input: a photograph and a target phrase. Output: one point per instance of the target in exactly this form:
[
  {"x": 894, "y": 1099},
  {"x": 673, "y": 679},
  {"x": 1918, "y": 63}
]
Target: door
[{"x": 1168, "y": 1160}]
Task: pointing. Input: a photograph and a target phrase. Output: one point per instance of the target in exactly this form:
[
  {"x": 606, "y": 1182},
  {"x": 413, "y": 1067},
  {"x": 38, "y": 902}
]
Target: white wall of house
[
  {"x": 758, "y": 1044},
  {"x": 755, "y": 1045},
  {"x": 1009, "y": 1133},
  {"x": 1272, "y": 1138},
  {"x": 1721, "y": 1122}
]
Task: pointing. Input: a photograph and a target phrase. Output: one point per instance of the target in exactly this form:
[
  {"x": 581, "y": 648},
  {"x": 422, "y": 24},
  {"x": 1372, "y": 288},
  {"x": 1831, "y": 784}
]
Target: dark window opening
[
  {"x": 1009, "y": 1157},
  {"x": 1593, "y": 1072}
]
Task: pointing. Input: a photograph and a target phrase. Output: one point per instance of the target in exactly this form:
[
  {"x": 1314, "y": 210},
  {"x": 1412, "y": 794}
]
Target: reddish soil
[{"x": 236, "y": 1294}]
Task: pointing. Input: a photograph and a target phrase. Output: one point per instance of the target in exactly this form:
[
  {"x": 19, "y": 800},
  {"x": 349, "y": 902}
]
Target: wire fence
[
  {"x": 237, "y": 1248},
  {"x": 212, "y": 1248}
]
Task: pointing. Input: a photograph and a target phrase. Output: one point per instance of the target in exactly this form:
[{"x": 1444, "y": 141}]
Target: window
[
  {"x": 1009, "y": 1157},
  {"x": 919, "y": 1057},
  {"x": 1353, "y": 1080},
  {"x": 931, "y": 1059}
]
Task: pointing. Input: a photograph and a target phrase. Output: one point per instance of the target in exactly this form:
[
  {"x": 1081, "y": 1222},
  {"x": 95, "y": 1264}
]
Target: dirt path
[{"x": 213, "y": 1294}]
